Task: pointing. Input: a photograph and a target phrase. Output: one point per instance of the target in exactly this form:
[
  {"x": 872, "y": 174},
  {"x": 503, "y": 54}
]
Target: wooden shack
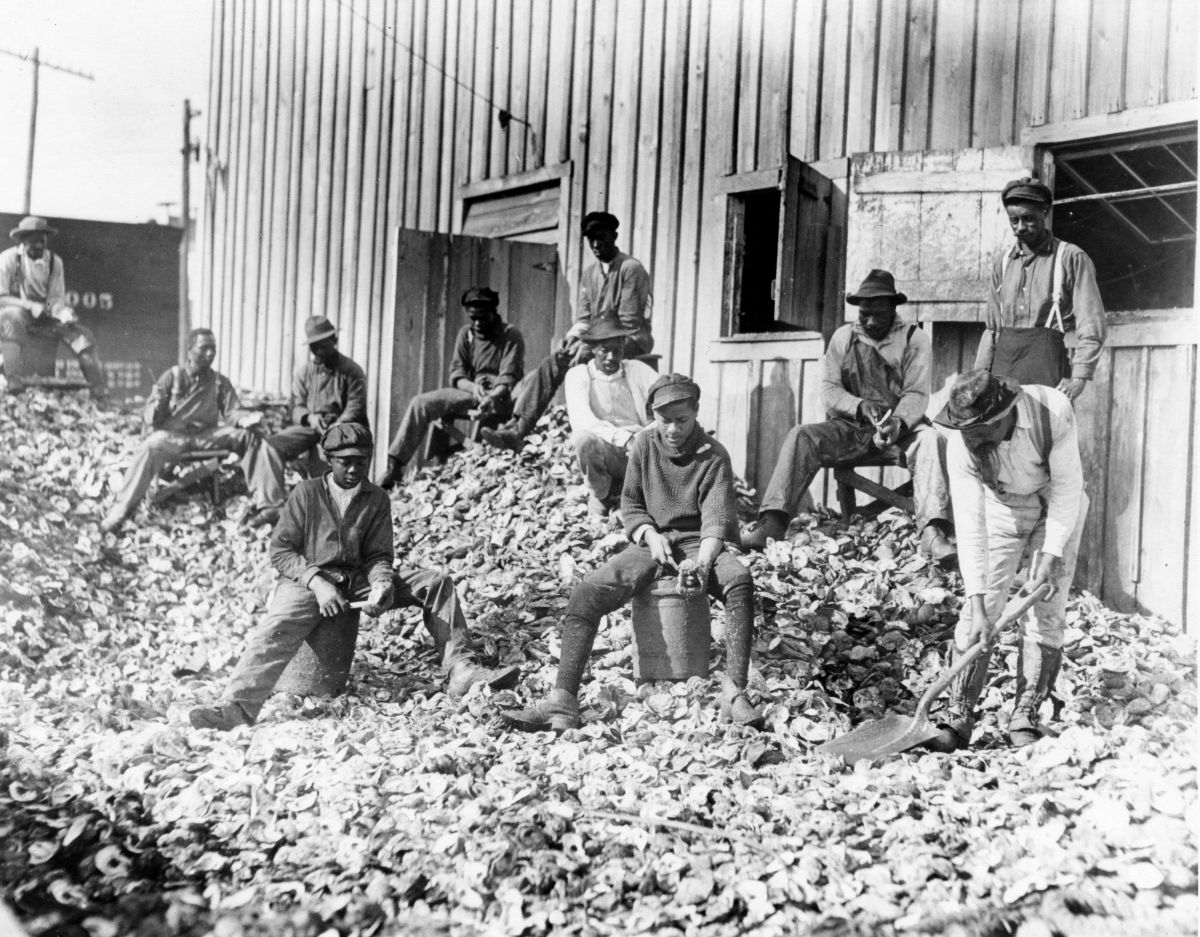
[{"x": 368, "y": 159}]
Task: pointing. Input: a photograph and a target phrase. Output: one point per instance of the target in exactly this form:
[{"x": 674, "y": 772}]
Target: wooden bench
[
  {"x": 849, "y": 481},
  {"x": 205, "y": 466}
]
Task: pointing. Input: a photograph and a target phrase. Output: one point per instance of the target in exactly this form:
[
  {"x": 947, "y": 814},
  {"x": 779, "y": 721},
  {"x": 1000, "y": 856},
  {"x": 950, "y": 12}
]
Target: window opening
[
  {"x": 1130, "y": 203},
  {"x": 758, "y": 257}
]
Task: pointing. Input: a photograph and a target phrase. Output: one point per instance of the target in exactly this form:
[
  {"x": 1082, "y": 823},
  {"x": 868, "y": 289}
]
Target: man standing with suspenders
[{"x": 1041, "y": 288}]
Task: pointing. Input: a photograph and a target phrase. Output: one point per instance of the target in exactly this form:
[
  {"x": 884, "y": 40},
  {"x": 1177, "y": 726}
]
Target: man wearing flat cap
[
  {"x": 615, "y": 287},
  {"x": 1017, "y": 483},
  {"x": 875, "y": 389},
  {"x": 327, "y": 389},
  {"x": 606, "y": 404},
  {"x": 678, "y": 509},
  {"x": 193, "y": 408},
  {"x": 488, "y": 362},
  {"x": 1042, "y": 287},
  {"x": 33, "y": 305},
  {"x": 332, "y": 545}
]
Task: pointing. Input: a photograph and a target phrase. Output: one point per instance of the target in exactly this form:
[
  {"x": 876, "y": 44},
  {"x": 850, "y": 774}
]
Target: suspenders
[{"x": 1054, "y": 317}]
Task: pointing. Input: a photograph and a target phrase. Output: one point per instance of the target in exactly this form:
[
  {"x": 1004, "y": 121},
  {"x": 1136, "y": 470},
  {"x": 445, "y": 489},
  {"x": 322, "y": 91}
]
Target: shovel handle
[{"x": 1010, "y": 614}]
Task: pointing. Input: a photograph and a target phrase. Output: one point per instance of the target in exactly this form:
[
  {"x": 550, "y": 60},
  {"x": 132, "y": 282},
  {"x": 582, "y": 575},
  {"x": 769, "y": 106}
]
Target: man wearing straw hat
[
  {"x": 875, "y": 390},
  {"x": 1017, "y": 485},
  {"x": 327, "y": 389},
  {"x": 33, "y": 305},
  {"x": 1041, "y": 288}
]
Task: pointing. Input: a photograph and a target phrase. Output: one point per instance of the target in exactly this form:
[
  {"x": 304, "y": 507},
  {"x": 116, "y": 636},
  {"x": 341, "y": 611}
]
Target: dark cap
[
  {"x": 599, "y": 221},
  {"x": 669, "y": 389},
  {"x": 1027, "y": 189},
  {"x": 347, "y": 439},
  {"x": 481, "y": 296},
  {"x": 879, "y": 284},
  {"x": 318, "y": 328},
  {"x": 977, "y": 399},
  {"x": 605, "y": 327}
]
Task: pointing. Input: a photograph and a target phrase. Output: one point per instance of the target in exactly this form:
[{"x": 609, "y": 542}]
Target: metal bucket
[
  {"x": 671, "y": 633},
  {"x": 322, "y": 665}
]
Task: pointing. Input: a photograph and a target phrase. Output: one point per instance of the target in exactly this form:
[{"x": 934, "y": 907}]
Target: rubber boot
[
  {"x": 957, "y": 719},
  {"x": 1037, "y": 670}
]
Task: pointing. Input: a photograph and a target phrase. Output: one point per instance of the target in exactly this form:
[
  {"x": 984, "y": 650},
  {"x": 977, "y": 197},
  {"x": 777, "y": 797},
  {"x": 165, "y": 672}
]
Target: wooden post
[{"x": 33, "y": 109}]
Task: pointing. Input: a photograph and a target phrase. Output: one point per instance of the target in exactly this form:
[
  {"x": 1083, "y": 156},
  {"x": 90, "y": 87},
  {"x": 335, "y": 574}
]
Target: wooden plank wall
[{"x": 333, "y": 123}]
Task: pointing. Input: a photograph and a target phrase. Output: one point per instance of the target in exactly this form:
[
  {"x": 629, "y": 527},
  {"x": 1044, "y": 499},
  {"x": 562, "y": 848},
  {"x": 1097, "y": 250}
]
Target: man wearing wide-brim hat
[
  {"x": 327, "y": 389},
  {"x": 1042, "y": 288},
  {"x": 875, "y": 389},
  {"x": 606, "y": 404},
  {"x": 33, "y": 306},
  {"x": 1017, "y": 484}
]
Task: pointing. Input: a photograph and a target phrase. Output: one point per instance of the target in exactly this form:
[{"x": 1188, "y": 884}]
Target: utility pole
[
  {"x": 190, "y": 151},
  {"x": 37, "y": 62}
]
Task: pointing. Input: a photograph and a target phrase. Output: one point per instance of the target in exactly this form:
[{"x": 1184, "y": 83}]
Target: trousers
[
  {"x": 422, "y": 410},
  {"x": 1016, "y": 524},
  {"x": 300, "y": 442},
  {"x": 813, "y": 446},
  {"x": 293, "y": 612},
  {"x": 603, "y": 466},
  {"x": 18, "y": 327},
  {"x": 261, "y": 464}
]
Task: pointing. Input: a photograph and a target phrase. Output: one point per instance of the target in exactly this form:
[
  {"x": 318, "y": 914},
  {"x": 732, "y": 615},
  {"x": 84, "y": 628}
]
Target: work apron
[
  {"x": 867, "y": 374},
  {"x": 1033, "y": 355}
]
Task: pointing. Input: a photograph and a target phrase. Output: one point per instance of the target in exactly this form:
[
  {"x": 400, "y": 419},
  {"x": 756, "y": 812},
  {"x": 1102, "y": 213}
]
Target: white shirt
[
  {"x": 1022, "y": 474},
  {"x": 341, "y": 496},
  {"x": 611, "y": 406}
]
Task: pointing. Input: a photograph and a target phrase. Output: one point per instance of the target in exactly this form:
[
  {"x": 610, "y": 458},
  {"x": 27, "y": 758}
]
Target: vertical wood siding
[{"x": 333, "y": 123}]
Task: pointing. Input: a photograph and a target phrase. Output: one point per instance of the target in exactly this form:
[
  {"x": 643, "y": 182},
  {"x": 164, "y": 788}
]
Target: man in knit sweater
[
  {"x": 333, "y": 543},
  {"x": 606, "y": 404},
  {"x": 678, "y": 509}
]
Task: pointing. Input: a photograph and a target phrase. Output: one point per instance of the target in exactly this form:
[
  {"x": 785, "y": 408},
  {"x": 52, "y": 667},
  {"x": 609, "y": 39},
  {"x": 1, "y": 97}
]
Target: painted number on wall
[{"x": 90, "y": 300}]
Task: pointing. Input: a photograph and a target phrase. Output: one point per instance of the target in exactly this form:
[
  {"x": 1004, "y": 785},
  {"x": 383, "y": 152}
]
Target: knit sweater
[{"x": 689, "y": 492}]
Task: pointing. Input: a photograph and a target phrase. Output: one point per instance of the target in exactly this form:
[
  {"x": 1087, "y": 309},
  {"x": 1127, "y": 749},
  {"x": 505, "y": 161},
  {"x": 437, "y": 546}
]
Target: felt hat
[
  {"x": 31, "y": 225},
  {"x": 605, "y": 327},
  {"x": 978, "y": 398},
  {"x": 481, "y": 296},
  {"x": 1027, "y": 189},
  {"x": 599, "y": 221},
  {"x": 669, "y": 389},
  {"x": 879, "y": 284},
  {"x": 318, "y": 328},
  {"x": 347, "y": 439}
]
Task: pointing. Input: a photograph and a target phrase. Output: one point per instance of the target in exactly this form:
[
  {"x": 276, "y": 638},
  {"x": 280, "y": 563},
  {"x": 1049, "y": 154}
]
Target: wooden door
[{"x": 434, "y": 270}]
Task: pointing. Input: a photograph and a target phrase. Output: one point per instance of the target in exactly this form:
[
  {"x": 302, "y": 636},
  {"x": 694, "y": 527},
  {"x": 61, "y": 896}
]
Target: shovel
[{"x": 895, "y": 733}]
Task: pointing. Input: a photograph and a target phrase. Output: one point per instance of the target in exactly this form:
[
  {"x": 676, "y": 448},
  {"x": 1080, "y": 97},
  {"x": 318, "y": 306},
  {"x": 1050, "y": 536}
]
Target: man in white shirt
[
  {"x": 606, "y": 404},
  {"x": 1017, "y": 485}
]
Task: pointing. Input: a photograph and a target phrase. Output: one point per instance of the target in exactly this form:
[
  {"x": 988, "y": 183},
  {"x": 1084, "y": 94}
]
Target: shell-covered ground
[{"x": 393, "y": 809}]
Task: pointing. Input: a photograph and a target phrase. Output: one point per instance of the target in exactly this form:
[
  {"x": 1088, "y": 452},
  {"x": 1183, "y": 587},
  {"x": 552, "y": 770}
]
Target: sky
[{"x": 108, "y": 149}]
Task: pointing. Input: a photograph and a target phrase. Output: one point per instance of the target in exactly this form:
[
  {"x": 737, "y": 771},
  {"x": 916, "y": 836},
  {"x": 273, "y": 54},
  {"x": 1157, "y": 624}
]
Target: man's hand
[
  {"x": 66, "y": 315},
  {"x": 380, "y": 599},
  {"x": 868, "y": 409},
  {"x": 329, "y": 598},
  {"x": 980, "y": 623},
  {"x": 318, "y": 422},
  {"x": 1046, "y": 574},
  {"x": 887, "y": 432},
  {"x": 247, "y": 420},
  {"x": 659, "y": 547},
  {"x": 693, "y": 577},
  {"x": 575, "y": 331},
  {"x": 1071, "y": 386},
  {"x": 35, "y": 307}
]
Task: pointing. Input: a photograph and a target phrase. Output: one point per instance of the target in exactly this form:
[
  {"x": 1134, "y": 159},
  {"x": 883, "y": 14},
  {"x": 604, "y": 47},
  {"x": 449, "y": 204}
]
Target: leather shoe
[
  {"x": 502, "y": 438},
  {"x": 737, "y": 710},
  {"x": 936, "y": 546},
  {"x": 223, "y": 718},
  {"x": 466, "y": 674},
  {"x": 946, "y": 741},
  {"x": 392, "y": 475},
  {"x": 771, "y": 525},
  {"x": 556, "y": 713}
]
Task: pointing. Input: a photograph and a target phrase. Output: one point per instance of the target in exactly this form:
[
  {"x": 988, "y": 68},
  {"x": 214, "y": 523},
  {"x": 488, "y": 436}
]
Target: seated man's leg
[
  {"x": 291, "y": 616},
  {"x": 603, "y": 466},
  {"x": 442, "y": 614},
  {"x": 83, "y": 343},
  {"x": 151, "y": 456},
  {"x": 806, "y": 450},
  {"x": 13, "y": 322},
  {"x": 293, "y": 441},
  {"x": 262, "y": 464},
  {"x": 531, "y": 397},
  {"x": 422, "y": 410},
  {"x": 925, "y": 452},
  {"x": 603, "y": 591}
]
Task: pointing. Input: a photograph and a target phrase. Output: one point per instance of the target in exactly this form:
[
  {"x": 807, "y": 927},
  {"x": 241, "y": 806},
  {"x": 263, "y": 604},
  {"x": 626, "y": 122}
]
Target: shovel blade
[{"x": 879, "y": 738}]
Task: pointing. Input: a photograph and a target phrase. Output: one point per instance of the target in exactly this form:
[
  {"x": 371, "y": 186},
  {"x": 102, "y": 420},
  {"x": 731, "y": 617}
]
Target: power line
[
  {"x": 504, "y": 115},
  {"x": 28, "y": 57}
]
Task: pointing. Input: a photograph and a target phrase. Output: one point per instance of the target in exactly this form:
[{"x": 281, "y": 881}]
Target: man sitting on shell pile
[
  {"x": 333, "y": 543},
  {"x": 875, "y": 390},
  {"x": 678, "y": 507}
]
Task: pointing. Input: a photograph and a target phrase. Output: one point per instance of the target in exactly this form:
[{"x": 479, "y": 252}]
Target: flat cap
[
  {"x": 599, "y": 221},
  {"x": 977, "y": 399},
  {"x": 669, "y": 389},
  {"x": 481, "y": 296},
  {"x": 347, "y": 439},
  {"x": 1027, "y": 189}
]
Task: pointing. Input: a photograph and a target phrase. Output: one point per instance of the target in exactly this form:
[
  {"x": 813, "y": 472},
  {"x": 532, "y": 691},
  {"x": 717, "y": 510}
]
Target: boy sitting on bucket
[
  {"x": 678, "y": 507},
  {"x": 333, "y": 543}
]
